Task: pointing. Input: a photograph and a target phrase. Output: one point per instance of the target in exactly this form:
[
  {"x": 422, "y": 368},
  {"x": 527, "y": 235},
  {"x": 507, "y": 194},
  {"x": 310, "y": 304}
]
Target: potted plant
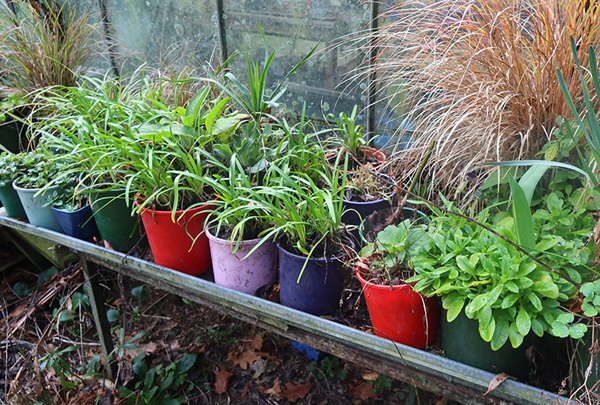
[
  {"x": 168, "y": 169},
  {"x": 353, "y": 142},
  {"x": 42, "y": 44},
  {"x": 397, "y": 312},
  {"x": 73, "y": 213},
  {"x": 241, "y": 259},
  {"x": 10, "y": 168},
  {"x": 306, "y": 217},
  {"x": 39, "y": 176},
  {"x": 366, "y": 192},
  {"x": 491, "y": 291}
]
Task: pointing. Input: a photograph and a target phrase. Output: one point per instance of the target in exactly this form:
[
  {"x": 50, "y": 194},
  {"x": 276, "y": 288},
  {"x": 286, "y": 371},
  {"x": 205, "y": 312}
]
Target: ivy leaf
[
  {"x": 587, "y": 289},
  {"x": 577, "y": 331},
  {"x": 560, "y": 330}
]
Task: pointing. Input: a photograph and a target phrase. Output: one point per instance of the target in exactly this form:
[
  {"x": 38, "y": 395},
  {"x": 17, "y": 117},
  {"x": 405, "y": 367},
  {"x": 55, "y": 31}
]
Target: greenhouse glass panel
[
  {"x": 293, "y": 28},
  {"x": 164, "y": 31}
]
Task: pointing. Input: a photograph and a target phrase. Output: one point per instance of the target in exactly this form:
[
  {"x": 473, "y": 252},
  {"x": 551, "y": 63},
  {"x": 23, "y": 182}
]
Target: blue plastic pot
[
  {"x": 320, "y": 288},
  {"x": 78, "y": 224}
]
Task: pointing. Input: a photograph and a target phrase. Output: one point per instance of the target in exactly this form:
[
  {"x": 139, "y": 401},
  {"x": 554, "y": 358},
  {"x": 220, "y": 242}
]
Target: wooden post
[{"x": 90, "y": 271}]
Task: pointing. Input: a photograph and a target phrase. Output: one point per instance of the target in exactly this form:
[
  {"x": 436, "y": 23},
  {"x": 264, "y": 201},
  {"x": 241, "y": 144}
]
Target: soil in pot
[
  {"x": 366, "y": 192},
  {"x": 400, "y": 314},
  {"x": 319, "y": 289},
  {"x": 11, "y": 202},
  {"x": 79, "y": 223},
  {"x": 37, "y": 209},
  {"x": 241, "y": 271},
  {"x": 461, "y": 342},
  {"x": 119, "y": 229},
  {"x": 182, "y": 244}
]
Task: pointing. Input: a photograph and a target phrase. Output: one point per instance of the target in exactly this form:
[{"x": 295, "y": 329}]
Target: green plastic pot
[
  {"x": 11, "y": 202},
  {"x": 118, "y": 228},
  {"x": 461, "y": 342},
  {"x": 36, "y": 207}
]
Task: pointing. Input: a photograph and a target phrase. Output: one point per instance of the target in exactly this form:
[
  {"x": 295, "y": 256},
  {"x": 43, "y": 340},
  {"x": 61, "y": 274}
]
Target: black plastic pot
[
  {"x": 585, "y": 369},
  {"x": 318, "y": 291},
  {"x": 356, "y": 211},
  {"x": 79, "y": 224}
]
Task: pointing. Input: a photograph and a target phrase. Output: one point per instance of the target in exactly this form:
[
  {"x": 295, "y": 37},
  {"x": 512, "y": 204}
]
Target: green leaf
[
  {"x": 454, "y": 303},
  {"x": 577, "y": 331},
  {"x": 487, "y": 331},
  {"x": 113, "y": 315},
  {"x": 537, "y": 327},
  {"x": 565, "y": 317},
  {"x": 587, "y": 289},
  {"x": 464, "y": 264},
  {"x": 500, "y": 334},
  {"x": 535, "y": 301},
  {"x": 512, "y": 287},
  {"x": 516, "y": 338},
  {"x": 476, "y": 304},
  {"x": 485, "y": 317},
  {"x": 560, "y": 329},
  {"x": 522, "y": 215},
  {"x": 185, "y": 363},
  {"x": 546, "y": 289},
  {"x": 509, "y": 300},
  {"x": 589, "y": 310},
  {"x": 530, "y": 180},
  {"x": 523, "y": 321}
]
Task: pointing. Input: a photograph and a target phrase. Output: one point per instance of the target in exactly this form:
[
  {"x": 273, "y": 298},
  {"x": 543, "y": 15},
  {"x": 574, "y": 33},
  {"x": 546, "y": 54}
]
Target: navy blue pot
[
  {"x": 320, "y": 287},
  {"x": 356, "y": 211},
  {"x": 78, "y": 224}
]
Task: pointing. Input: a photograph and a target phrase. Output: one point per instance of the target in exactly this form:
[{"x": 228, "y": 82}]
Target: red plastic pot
[
  {"x": 182, "y": 244},
  {"x": 400, "y": 314}
]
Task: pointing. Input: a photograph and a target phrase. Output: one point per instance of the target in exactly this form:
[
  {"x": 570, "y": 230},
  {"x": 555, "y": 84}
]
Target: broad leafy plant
[
  {"x": 474, "y": 270},
  {"x": 388, "y": 260}
]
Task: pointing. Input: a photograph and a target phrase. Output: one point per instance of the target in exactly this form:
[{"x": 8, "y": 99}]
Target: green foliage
[
  {"x": 392, "y": 251},
  {"x": 350, "y": 134},
  {"x": 473, "y": 270},
  {"x": 69, "y": 307},
  {"x": 382, "y": 384},
  {"x": 158, "y": 385},
  {"x": 327, "y": 368}
]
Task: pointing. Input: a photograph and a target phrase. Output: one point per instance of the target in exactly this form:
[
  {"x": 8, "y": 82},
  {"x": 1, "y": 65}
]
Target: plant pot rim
[
  {"x": 388, "y": 287},
  {"x": 302, "y": 257},
  {"x": 17, "y": 187},
  {"x": 205, "y": 205},
  {"x": 74, "y": 211},
  {"x": 229, "y": 241}
]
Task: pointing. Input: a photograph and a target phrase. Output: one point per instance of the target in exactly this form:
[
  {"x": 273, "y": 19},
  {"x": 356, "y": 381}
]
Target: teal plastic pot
[
  {"x": 37, "y": 209},
  {"x": 11, "y": 202},
  {"x": 119, "y": 229},
  {"x": 461, "y": 342},
  {"x": 585, "y": 369}
]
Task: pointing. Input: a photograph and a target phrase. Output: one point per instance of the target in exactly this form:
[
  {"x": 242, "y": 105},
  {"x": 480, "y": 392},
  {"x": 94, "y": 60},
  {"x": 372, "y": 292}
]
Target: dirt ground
[{"x": 168, "y": 350}]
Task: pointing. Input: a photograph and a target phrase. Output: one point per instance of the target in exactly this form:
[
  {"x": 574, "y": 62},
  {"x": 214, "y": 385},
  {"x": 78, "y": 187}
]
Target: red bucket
[
  {"x": 182, "y": 244},
  {"x": 400, "y": 314}
]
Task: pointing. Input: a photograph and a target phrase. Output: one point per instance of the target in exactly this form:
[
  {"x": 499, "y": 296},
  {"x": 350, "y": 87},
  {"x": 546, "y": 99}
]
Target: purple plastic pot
[{"x": 240, "y": 271}]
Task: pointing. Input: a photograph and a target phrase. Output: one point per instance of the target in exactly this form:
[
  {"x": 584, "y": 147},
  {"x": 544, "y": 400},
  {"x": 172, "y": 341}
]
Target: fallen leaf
[
  {"x": 222, "y": 377},
  {"x": 274, "y": 391},
  {"x": 150, "y": 347},
  {"x": 258, "y": 367},
  {"x": 295, "y": 392},
  {"x": 363, "y": 391},
  {"x": 257, "y": 342},
  {"x": 244, "y": 358},
  {"x": 370, "y": 375},
  {"x": 496, "y": 381}
]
